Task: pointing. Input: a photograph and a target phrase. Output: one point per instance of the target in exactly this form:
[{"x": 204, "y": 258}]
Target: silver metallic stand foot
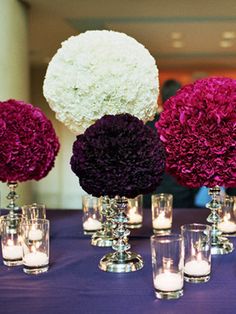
[
  {"x": 104, "y": 237},
  {"x": 122, "y": 260},
  {"x": 219, "y": 244}
]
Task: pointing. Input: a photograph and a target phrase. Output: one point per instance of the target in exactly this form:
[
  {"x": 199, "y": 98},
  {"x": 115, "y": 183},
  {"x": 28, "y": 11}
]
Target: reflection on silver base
[
  {"x": 102, "y": 240},
  {"x": 134, "y": 226},
  {"x": 196, "y": 279},
  {"x": 223, "y": 246},
  {"x": 130, "y": 262},
  {"x": 169, "y": 294},
  {"x": 89, "y": 232},
  {"x": 162, "y": 231},
  {"x": 35, "y": 270},
  {"x": 10, "y": 262}
]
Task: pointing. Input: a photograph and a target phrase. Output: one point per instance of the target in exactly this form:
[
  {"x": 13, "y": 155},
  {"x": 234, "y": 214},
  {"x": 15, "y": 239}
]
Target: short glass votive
[
  {"x": 197, "y": 246},
  {"x": 135, "y": 212},
  {"x": 34, "y": 211},
  {"x": 11, "y": 240},
  {"x": 92, "y": 218},
  {"x": 35, "y": 242},
  {"x": 162, "y": 208},
  {"x": 227, "y": 213},
  {"x": 168, "y": 265}
]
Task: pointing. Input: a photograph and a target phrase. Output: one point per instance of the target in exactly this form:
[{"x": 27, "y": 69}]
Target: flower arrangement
[
  {"x": 118, "y": 155},
  {"x": 98, "y": 73},
  {"x": 28, "y": 143},
  {"x": 198, "y": 130}
]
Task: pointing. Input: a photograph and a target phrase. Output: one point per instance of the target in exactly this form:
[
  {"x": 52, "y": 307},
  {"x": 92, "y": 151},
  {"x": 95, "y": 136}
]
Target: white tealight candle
[
  {"x": 227, "y": 226},
  {"x": 197, "y": 267},
  {"x": 35, "y": 259},
  {"x": 168, "y": 281},
  {"x": 35, "y": 235},
  {"x": 161, "y": 222},
  {"x": 134, "y": 217},
  {"x": 92, "y": 224},
  {"x": 12, "y": 252}
]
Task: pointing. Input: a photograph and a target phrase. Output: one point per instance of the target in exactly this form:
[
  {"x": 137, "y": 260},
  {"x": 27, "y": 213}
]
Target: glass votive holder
[
  {"x": 197, "y": 246},
  {"x": 168, "y": 265},
  {"x": 135, "y": 212},
  {"x": 162, "y": 208},
  {"x": 92, "y": 218},
  {"x": 11, "y": 240},
  {"x": 227, "y": 213},
  {"x": 34, "y": 211},
  {"x": 35, "y": 242}
]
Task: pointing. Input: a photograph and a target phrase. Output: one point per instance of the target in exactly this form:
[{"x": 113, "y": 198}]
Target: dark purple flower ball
[
  {"x": 28, "y": 143},
  {"x": 198, "y": 129},
  {"x": 118, "y": 155}
]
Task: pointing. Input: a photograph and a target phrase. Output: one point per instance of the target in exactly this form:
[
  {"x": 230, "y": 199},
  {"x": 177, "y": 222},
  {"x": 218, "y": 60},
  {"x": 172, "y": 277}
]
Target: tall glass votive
[
  {"x": 227, "y": 213},
  {"x": 167, "y": 263},
  {"x": 135, "y": 212},
  {"x": 11, "y": 240},
  {"x": 197, "y": 245},
  {"x": 92, "y": 218},
  {"x": 35, "y": 241},
  {"x": 162, "y": 208},
  {"x": 34, "y": 211}
]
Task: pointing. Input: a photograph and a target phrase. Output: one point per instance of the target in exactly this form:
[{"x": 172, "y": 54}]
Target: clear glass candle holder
[
  {"x": 34, "y": 211},
  {"x": 92, "y": 218},
  {"x": 162, "y": 208},
  {"x": 11, "y": 240},
  {"x": 35, "y": 241},
  {"x": 227, "y": 213},
  {"x": 135, "y": 212},
  {"x": 168, "y": 265},
  {"x": 197, "y": 245}
]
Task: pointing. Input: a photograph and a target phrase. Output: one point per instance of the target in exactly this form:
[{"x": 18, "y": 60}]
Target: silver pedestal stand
[
  {"x": 219, "y": 244},
  {"x": 122, "y": 260},
  {"x": 104, "y": 237}
]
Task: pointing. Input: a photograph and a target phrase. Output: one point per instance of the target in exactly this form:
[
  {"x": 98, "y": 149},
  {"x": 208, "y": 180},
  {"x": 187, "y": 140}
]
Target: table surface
[{"x": 74, "y": 284}]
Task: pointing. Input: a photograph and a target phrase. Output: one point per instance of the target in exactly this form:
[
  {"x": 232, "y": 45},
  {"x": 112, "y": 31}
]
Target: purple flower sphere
[
  {"x": 28, "y": 143},
  {"x": 118, "y": 155},
  {"x": 198, "y": 129}
]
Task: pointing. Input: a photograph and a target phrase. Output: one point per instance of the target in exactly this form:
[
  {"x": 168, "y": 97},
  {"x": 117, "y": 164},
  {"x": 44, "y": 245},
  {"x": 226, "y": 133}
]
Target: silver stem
[{"x": 12, "y": 197}]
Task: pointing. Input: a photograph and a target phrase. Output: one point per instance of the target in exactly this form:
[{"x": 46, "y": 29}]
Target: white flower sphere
[{"x": 98, "y": 73}]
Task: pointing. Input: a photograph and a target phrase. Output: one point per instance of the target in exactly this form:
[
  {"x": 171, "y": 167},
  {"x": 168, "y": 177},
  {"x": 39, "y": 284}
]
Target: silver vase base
[
  {"x": 131, "y": 262},
  {"x": 196, "y": 279},
  {"x": 101, "y": 240},
  {"x": 167, "y": 295},
  {"x": 223, "y": 246}
]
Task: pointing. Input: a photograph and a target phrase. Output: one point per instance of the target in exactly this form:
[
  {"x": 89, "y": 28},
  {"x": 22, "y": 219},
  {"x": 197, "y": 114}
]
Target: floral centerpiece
[{"x": 98, "y": 73}]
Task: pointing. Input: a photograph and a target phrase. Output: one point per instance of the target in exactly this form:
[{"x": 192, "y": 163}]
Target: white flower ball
[{"x": 98, "y": 73}]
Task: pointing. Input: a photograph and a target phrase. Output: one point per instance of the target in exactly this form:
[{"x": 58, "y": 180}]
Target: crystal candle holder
[
  {"x": 92, "y": 218},
  {"x": 135, "y": 212},
  {"x": 227, "y": 213},
  {"x": 35, "y": 240},
  {"x": 162, "y": 207},
  {"x": 11, "y": 240},
  {"x": 167, "y": 263},
  {"x": 197, "y": 245},
  {"x": 34, "y": 211}
]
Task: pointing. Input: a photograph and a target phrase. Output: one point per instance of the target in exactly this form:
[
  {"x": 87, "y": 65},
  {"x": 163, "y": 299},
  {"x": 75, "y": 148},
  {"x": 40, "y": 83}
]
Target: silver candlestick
[
  {"x": 219, "y": 244},
  {"x": 12, "y": 197},
  {"x": 122, "y": 260}
]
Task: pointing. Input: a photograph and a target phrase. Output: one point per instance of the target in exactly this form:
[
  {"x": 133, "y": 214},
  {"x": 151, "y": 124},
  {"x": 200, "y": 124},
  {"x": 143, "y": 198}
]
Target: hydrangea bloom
[
  {"x": 98, "y": 73},
  {"x": 198, "y": 129},
  {"x": 118, "y": 155},
  {"x": 28, "y": 143}
]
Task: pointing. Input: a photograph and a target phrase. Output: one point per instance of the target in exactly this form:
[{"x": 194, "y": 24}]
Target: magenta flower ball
[
  {"x": 28, "y": 143},
  {"x": 198, "y": 130}
]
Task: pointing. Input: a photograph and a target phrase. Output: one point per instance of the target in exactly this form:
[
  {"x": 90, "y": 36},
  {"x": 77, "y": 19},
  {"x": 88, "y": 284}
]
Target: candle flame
[
  {"x": 10, "y": 242},
  {"x": 227, "y": 217}
]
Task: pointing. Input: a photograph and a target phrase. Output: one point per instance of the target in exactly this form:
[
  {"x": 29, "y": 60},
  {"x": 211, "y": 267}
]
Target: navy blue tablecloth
[{"x": 75, "y": 285}]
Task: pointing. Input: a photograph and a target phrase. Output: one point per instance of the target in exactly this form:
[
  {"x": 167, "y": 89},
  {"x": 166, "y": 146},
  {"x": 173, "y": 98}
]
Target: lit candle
[
  {"x": 35, "y": 259},
  {"x": 168, "y": 281},
  {"x": 92, "y": 224},
  {"x": 11, "y": 251},
  {"x": 227, "y": 226},
  {"x": 134, "y": 217},
  {"x": 197, "y": 267},
  {"x": 35, "y": 234},
  {"x": 161, "y": 222}
]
